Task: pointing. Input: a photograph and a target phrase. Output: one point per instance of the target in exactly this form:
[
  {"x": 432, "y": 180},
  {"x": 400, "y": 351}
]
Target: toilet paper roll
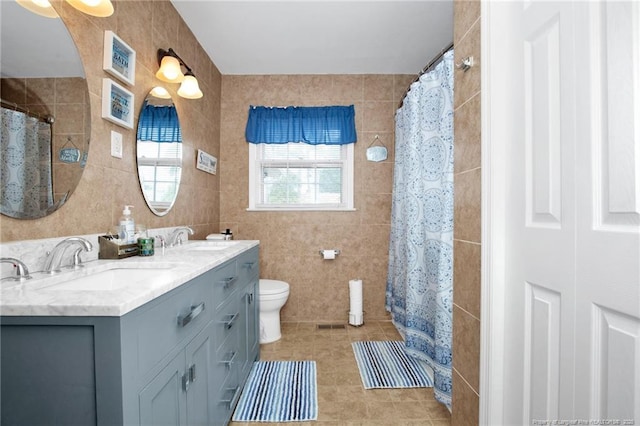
[
  {"x": 328, "y": 254},
  {"x": 355, "y": 302}
]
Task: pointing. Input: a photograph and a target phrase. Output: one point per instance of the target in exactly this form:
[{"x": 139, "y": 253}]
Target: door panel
[
  {"x": 572, "y": 207},
  {"x": 200, "y": 356},
  {"x": 608, "y": 212},
  {"x": 162, "y": 401}
]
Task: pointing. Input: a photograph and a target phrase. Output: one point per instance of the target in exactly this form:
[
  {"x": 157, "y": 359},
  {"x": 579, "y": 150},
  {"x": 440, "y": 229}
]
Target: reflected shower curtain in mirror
[
  {"x": 25, "y": 157},
  {"x": 419, "y": 292}
]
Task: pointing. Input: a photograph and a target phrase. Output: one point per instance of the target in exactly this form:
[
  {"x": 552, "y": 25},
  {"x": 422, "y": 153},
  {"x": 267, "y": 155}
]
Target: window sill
[{"x": 300, "y": 209}]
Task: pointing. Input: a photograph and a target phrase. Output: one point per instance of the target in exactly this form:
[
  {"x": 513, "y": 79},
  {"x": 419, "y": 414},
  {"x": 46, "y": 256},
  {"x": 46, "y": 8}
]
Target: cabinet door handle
[
  {"x": 183, "y": 320},
  {"x": 249, "y": 298},
  {"x": 232, "y": 318},
  {"x": 185, "y": 382},
  {"x": 192, "y": 373},
  {"x": 250, "y": 265},
  {"x": 228, "y": 282},
  {"x": 231, "y": 359}
]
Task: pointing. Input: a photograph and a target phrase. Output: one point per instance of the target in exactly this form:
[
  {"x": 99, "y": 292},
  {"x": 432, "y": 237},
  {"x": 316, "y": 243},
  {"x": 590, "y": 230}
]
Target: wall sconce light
[
  {"x": 160, "y": 92},
  {"x": 99, "y": 8},
  {"x": 171, "y": 71},
  {"x": 39, "y": 7}
]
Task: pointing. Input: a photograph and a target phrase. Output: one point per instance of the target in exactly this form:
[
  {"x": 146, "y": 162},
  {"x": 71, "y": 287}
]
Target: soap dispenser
[
  {"x": 127, "y": 227},
  {"x": 227, "y": 234}
]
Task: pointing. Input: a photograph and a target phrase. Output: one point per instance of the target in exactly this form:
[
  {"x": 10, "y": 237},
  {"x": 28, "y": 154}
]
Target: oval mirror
[
  {"x": 45, "y": 116},
  {"x": 159, "y": 151}
]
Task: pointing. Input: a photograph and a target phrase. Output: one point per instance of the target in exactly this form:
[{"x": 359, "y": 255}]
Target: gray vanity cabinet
[
  {"x": 181, "y": 359},
  {"x": 180, "y": 393}
]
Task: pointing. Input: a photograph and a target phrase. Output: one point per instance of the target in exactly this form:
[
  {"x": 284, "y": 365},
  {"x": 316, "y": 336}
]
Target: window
[
  {"x": 301, "y": 158},
  {"x": 299, "y": 176},
  {"x": 159, "y": 168}
]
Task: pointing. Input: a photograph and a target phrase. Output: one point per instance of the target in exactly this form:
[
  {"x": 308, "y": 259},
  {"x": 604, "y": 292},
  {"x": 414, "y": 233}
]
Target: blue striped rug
[
  {"x": 386, "y": 365},
  {"x": 279, "y": 391}
]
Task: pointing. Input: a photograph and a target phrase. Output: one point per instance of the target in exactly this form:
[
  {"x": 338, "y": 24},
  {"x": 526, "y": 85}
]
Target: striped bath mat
[
  {"x": 279, "y": 391},
  {"x": 386, "y": 365}
]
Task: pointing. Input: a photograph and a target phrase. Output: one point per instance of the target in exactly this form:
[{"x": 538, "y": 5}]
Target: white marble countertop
[{"x": 78, "y": 293}]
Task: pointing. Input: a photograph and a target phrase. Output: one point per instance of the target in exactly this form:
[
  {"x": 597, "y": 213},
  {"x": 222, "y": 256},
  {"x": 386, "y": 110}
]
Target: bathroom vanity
[{"x": 173, "y": 350}]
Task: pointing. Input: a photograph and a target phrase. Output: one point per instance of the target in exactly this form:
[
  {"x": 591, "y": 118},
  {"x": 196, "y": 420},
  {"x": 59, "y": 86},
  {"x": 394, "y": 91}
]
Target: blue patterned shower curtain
[
  {"x": 26, "y": 188},
  {"x": 419, "y": 292}
]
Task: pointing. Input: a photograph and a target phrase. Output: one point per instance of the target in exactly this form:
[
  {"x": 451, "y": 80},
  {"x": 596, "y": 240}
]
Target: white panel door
[
  {"x": 608, "y": 215},
  {"x": 569, "y": 248}
]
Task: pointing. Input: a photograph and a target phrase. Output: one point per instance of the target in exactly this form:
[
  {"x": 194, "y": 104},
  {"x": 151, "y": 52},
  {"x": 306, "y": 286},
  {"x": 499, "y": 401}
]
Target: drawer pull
[
  {"x": 185, "y": 382},
  {"x": 183, "y": 320},
  {"x": 192, "y": 373},
  {"x": 231, "y": 359},
  {"x": 234, "y": 392},
  {"x": 232, "y": 318},
  {"x": 250, "y": 265},
  {"x": 228, "y": 282}
]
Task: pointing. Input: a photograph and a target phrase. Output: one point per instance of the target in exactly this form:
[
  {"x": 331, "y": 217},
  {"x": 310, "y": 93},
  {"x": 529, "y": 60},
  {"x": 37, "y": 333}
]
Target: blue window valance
[
  {"x": 329, "y": 125},
  {"x": 159, "y": 123}
]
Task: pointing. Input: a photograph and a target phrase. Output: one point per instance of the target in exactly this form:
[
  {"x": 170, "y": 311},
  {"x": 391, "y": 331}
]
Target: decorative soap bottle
[{"x": 127, "y": 226}]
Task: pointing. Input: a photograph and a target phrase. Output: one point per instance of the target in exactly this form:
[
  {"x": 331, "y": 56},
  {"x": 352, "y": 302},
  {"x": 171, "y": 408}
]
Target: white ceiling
[
  {"x": 319, "y": 37},
  {"x": 35, "y": 46},
  {"x": 261, "y": 37}
]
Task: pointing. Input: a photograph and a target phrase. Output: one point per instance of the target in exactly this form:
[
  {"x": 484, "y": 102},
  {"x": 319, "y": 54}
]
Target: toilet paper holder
[{"x": 335, "y": 251}]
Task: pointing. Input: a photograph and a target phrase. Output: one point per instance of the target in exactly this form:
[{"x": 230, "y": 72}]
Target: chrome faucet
[
  {"x": 54, "y": 258},
  {"x": 163, "y": 242},
  {"x": 22, "y": 273},
  {"x": 175, "y": 238}
]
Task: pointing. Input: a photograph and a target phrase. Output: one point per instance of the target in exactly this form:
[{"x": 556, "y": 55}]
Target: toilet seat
[{"x": 272, "y": 287}]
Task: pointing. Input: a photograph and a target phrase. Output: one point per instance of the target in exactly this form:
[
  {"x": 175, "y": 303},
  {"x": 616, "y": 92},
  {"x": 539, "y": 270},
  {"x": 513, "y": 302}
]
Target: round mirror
[
  {"x": 159, "y": 151},
  {"x": 45, "y": 116}
]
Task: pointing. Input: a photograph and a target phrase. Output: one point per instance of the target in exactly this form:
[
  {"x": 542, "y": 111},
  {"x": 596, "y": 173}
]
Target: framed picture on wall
[
  {"x": 206, "y": 162},
  {"x": 117, "y": 103},
  {"x": 119, "y": 58}
]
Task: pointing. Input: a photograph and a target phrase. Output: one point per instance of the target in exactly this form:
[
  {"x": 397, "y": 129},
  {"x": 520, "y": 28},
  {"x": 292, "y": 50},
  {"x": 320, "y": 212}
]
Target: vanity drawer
[
  {"x": 162, "y": 326},
  {"x": 248, "y": 265},
  {"x": 227, "y": 358},
  {"x": 225, "y": 281},
  {"x": 228, "y": 395},
  {"x": 227, "y": 323}
]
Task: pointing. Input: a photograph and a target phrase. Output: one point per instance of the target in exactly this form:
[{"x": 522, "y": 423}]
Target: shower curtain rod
[
  {"x": 426, "y": 69},
  {"x": 14, "y": 106}
]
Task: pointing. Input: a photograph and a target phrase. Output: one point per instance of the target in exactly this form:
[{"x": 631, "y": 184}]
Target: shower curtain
[
  {"x": 25, "y": 157},
  {"x": 419, "y": 291}
]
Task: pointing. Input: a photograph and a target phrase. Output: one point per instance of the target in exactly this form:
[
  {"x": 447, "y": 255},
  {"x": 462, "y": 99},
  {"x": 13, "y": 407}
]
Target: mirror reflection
[
  {"x": 45, "y": 118},
  {"x": 159, "y": 151}
]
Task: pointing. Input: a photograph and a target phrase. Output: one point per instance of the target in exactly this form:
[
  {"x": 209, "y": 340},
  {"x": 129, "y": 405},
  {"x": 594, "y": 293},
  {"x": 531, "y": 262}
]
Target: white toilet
[{"x": 273, "y": 296}]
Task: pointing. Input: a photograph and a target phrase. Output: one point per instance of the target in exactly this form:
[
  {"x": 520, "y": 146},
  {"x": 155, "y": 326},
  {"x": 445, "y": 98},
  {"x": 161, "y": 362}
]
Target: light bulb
[
  {"x": 39, "y": 7},
  {"x": 160, "y": 92},
  {"x": 99, "y": 8},
  {"x": 170, "y": 70},
  {"x": 189, "y": 88}
]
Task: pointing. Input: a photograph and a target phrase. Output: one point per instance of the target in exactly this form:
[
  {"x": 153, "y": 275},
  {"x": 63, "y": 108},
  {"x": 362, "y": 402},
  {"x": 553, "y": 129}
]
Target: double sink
[{"x": 110, "y": 275}]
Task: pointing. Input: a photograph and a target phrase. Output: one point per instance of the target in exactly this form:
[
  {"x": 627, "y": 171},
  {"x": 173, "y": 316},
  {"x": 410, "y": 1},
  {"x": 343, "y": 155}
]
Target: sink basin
[
  {"x": 107, "y": 278},
  {"x": 208, "y": 246},
  {"x": 111, "y": 279}
]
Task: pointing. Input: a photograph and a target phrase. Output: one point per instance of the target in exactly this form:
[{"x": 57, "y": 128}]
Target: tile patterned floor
[{"x": 342, "y": 400}]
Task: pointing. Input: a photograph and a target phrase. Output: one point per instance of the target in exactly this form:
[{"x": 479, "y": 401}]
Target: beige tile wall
[
  {"x": 467, "y": 247},
  {"x": 290, "y": 241},
  {"x": 108, "y": 183}
]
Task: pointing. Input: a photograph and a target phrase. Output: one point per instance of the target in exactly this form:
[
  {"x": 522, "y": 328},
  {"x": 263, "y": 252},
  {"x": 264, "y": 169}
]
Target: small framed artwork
[
  {"x": 119, "y": 59},
  {"x": 206, "y": 162},
  {"x": 117, "y": 104}
]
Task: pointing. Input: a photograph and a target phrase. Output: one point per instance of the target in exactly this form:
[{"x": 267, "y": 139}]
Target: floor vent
[{"x": 330, "y": 326}]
